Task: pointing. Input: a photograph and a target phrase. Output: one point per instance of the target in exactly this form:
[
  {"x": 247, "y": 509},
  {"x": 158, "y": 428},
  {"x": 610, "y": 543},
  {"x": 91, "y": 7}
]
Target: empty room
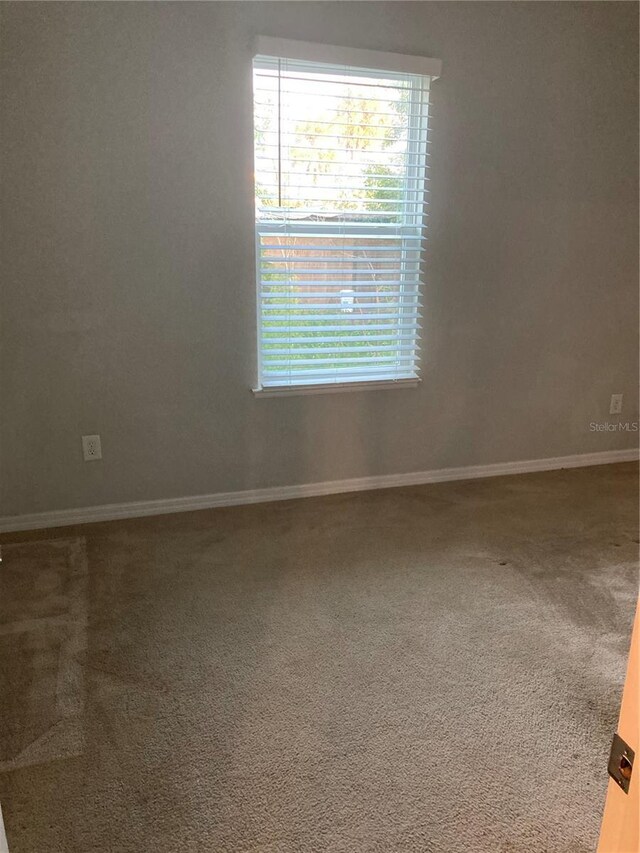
[{"x": 319, "y": 427}]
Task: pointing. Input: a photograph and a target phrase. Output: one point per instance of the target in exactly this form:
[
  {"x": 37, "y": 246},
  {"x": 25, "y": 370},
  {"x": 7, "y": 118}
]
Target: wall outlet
[
  {"x": 91, "y": 447},
  {"x": 616, "y": 404}
]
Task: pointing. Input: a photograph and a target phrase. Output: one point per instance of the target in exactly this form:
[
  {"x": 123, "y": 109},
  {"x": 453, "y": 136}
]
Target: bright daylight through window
[{"x": 340, "y": 173}]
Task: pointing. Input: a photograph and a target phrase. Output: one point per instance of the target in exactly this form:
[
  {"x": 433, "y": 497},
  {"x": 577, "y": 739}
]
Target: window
[{"x": 340, "y": 170}]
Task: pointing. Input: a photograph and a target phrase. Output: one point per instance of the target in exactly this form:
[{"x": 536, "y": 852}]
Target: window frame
[{"x": 368, "y": 61}]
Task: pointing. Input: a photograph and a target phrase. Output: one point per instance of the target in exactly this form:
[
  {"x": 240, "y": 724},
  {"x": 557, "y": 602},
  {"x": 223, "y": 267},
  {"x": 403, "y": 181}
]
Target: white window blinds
[{"x": 340, "y": 172}]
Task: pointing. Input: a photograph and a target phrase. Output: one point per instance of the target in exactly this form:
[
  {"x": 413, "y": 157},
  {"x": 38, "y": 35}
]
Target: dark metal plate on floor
[{"x": 621, "y": 762}]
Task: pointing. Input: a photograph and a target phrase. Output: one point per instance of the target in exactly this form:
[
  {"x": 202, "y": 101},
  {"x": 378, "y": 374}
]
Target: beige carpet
[{"x": 436, "y": 668}]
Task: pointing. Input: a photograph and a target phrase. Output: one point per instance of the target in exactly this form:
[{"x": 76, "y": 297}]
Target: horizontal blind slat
[
  {"x": 319, "y": 251},
  {"x": 335, "y": 328},
  {"x": 355, "y": 349},
  {"x": 401, "y": 339},
  {"x": 345, "y": 374},
  {"x": 317, "y": 297}
]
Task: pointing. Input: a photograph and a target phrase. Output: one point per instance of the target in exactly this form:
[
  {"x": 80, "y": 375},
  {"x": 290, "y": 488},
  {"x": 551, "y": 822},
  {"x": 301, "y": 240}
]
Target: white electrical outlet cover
[
  {"x": 91, "y": 447},
  {"x": 616, "y": 404}
]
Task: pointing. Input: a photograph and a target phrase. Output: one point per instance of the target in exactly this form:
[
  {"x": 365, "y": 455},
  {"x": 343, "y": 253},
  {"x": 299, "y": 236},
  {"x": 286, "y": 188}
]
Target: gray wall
[{"x": 128, "y": 303}]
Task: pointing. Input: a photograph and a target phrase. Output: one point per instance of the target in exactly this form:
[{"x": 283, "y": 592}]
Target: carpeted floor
[{"x": 436, "y": 668}]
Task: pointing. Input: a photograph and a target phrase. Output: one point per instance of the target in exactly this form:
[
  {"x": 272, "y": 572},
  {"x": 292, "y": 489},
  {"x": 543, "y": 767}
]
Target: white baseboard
[{"x": 110, "y": 512}]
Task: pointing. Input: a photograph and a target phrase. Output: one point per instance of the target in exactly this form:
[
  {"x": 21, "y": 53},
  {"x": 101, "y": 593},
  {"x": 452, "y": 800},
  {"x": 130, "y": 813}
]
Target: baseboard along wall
[{"x": 164, "y": 506}]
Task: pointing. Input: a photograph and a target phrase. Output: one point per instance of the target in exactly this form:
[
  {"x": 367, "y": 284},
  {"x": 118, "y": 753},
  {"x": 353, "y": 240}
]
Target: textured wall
[{"x": 128, "y": 304}]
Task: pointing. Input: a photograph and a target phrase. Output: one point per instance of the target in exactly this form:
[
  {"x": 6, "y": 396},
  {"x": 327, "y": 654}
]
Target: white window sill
[{"x": 334, "y": 387}]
